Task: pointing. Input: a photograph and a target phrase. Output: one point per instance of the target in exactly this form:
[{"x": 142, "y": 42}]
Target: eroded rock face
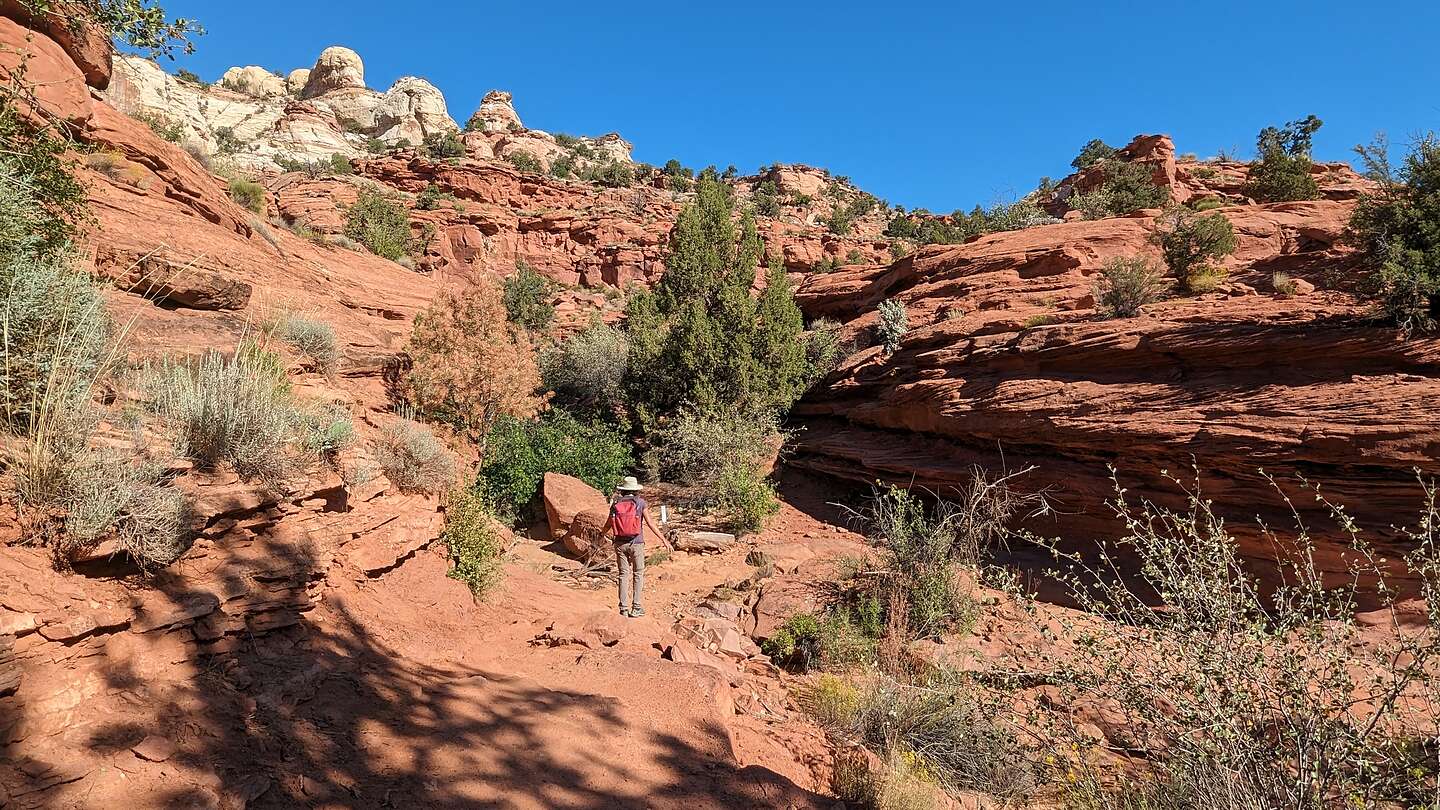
[
  {"x": 254, "y": 81},
  {"x": 59, "y": 86},
  {"x": 296, "y": 80},
  {"x": 1007, "y": 364},
  {"x": 411, "y": 110},
  {"x": 496, "y": 113},
  {"x": 338, "y": 68}
]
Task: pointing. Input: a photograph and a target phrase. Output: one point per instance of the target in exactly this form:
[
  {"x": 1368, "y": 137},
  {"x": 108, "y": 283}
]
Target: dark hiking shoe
[
  {"x": 636, "y": 612},
  {"x": 624, "y": 612}
]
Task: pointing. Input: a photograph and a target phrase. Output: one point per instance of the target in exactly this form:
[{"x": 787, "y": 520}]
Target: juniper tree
[{"x": 701, "y": 340}]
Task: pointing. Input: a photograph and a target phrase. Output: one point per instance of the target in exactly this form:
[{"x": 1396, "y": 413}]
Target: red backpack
[{"x": 625, "y": 518}]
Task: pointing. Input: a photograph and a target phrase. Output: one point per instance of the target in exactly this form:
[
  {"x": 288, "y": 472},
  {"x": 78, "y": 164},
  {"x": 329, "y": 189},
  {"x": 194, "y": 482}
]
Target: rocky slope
[
  {"x": 1008, "y": 364},
  {"x": 308, "y": 649}
]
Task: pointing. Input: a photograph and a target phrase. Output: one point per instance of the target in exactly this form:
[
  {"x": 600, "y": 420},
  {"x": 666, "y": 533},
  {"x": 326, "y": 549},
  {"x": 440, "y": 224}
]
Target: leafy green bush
[
  {"x": 1092, "y": 153},
  {"x": 476, "y": 553},
  {"x": 921, "y": 226},
  {"x": 429, "y": 198},
  {"x": 525, "y": 162},
  {"x": 527, "y": 298},
  {"x": 587, "y": 370},
  {"x": 1398, "y": 227},
  {"x": 236, "y": 409},
  {"x": 340, "y": 165},
  {"x": 380, "y": 224},
  {"x": 444, "y": 146},
  {"x": 518, "y": 453},
  {"x": 413, "y": 458},
  {"x": 611, "y": 175},
  {"x": 1190, "y": 242},
  {"x": 1283, "y": 170},
  {"x": 315, "y": 339},
  {"x": 1127, "y": 187},
  {"x": 190, "y": 77},
  {"x": 326, "y": 431},
  {"x": 1127, "y": 284},
  {"x": 249, "y": 195},
  {"x": 893, "y": 324}
]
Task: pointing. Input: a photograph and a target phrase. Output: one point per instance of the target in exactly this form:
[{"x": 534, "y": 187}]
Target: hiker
[{"x": 627, "y": 525}]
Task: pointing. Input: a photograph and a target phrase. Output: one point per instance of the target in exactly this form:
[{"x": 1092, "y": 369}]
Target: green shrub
[
  {"x": 166, "y": 128},
  {"x": 1282, "y": 172},
  {"x": 236, "y": 410},
  {"x": 566, "y": 140},
  {"x": 340, "y": 165},
  {"x": 892, "y": 325},
  {"x": 767, "y": 199},
  {"x": 525, "y": 162},
  {"x": 315, "y": 339},
  {"x": 518, "y": 453},
  {"x": 831, "y": 641},
  {"x": 722, "y": 457},
  {"x": 380, "y": 224},
  {"x": 1127, "y": 284},
  {"x": 527, "y": 298},
  {"x": 326, "y": 431},
  {"x": 611, "y": 175},
  {"x": 476, "y": 553},
  {"x": 57, "y": 332},
  {"x": 444, "y": 146},
  {"x": 226, "y": 143},
  {"x": 701, "y": 339},
  {"x": 429, "y": 198},
  {"x": 562, "y": 167},
  {"x": 825, "y": 348},
  {"x": 1398, "y": 228},
  {"x": 190, "y": 77},
  {"x": 1092, "y": 153},
  {"x": 248, "y": 195},
  {"x": 413, "y": 458},
  {"x": 587, "y": 370},
  {"x": 1127, "y": 187},
  {"x": 1190, "y": 243}
]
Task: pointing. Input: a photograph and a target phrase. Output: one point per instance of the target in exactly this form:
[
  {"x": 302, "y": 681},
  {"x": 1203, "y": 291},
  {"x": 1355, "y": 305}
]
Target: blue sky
[{"x": 934, "y": 104}]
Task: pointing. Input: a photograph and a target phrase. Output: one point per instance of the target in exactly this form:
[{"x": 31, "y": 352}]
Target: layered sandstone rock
[
  {"x": 337, "y": 68},
  {"x": 1007, "y": 364},
  {"x": 254, "y": 81},
  {"x": 496, "y": 113}
]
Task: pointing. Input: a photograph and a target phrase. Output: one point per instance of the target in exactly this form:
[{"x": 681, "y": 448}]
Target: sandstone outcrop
[
  {"x": 496, "y": 113},
  {"x": 254, "y": 81},
  {"x": 337, "y": 68},
  {"x": 1008, "y": 364}
]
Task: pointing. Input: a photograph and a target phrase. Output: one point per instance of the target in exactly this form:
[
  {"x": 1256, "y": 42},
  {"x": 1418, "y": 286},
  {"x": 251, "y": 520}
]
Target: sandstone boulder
[
  {"x": 297, "y": 79},
  {"x": 496, "y": 113},
  {"x": 253, "y": 81},
  {"x": 60, "y": 88},
  {"x": 88, "y": 46},
  {"x": 412, "y": 109},
  {"x": 566, "y": 497},
  {"x": 338, "y": 68},
  {"x": 703, "y": 542}
]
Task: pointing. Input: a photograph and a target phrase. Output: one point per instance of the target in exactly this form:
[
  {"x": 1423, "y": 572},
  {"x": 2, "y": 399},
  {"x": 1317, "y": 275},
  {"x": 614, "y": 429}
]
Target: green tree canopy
[{"x": 701, "y": 339}]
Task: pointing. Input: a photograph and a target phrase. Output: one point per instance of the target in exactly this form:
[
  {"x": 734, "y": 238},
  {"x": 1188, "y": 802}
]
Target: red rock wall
[{"x": 1008, "y": 364}]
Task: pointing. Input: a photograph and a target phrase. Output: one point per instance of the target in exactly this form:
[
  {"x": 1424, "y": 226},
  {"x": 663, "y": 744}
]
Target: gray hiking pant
[{"x": 632, "y": 573}]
